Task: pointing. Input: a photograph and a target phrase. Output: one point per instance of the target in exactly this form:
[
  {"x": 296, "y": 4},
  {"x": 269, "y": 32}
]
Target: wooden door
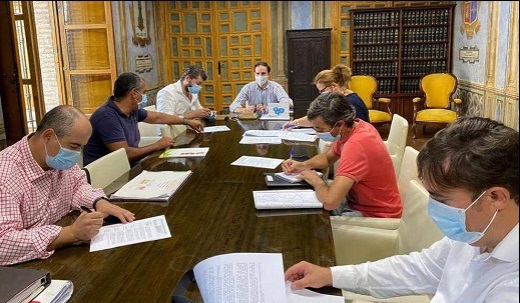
[
  {"x": 87, "y": 46},
  {"x": 308, "y": 52},
  {"x": 225, "y": 38},
  {"x": 10, "y": 78}
]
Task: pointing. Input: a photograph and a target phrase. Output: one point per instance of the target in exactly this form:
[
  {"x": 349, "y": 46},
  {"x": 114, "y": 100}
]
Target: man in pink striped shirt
[{"x": 40, "y": 183}]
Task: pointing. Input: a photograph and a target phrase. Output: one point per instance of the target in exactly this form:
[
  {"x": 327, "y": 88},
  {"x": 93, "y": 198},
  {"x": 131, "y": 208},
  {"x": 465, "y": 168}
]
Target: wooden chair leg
[{"x": 414, "y": 127}]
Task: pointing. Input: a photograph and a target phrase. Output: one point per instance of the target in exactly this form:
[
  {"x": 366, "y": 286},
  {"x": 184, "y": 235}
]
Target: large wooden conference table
[{"x": 212, "y": 213}]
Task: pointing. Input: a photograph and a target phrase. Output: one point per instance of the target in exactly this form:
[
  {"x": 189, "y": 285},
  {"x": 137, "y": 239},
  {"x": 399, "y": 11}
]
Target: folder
[{"x": 22, "y": 284}]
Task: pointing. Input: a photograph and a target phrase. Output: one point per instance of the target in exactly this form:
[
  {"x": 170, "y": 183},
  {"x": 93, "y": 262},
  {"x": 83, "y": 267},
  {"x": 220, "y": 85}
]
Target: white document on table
[
  {"x": 297, "y": 136},
  {"x": 263, "y": 133},
  {"x": 242, "y": 277},
  {"x": 59, "y": 291},
  {"x": 214, "y": 129},
  {"x": 185, "y": 152},
  {"x": 152, "y": 185},
  {"x": 260, "y": 162},
  {"x": 285, "y": 199},
  {"x": 260, "y": 140},
  {"x": 309, "y": 296},
  {"x": 139, "y": 231},
  {"x": 309, "y": 131}
]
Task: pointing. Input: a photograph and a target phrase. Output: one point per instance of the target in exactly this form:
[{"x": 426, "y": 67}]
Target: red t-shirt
[{"x": 365, "y": 159}]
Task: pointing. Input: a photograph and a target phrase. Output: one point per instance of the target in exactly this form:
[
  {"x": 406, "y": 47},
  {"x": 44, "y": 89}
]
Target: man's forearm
[{"x": 66, "y": 237}]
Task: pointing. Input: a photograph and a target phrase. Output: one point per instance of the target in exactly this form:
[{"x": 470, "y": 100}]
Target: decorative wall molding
[{"x": 512, "y": 60}]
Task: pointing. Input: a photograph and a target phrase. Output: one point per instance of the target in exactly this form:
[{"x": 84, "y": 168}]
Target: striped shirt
[
  {"x": 251, "y": 92},
  {"x": 32, "y": 200}
]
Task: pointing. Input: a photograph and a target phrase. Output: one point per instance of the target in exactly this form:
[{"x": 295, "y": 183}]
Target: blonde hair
[{"x": 339, "y": 74}]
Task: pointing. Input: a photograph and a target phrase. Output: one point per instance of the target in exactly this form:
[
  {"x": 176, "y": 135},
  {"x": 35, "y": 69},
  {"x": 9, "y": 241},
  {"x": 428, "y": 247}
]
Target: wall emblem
[
  {"x": 140, "y": 24},
  {"x": 469, "y": 14}
]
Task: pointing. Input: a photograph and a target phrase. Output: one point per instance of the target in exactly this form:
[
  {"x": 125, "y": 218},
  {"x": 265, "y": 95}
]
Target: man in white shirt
[
  {"x": 256, "y": 95},
  {"x": 471, "y": 171},
  {"x": 182, "y": 97}
]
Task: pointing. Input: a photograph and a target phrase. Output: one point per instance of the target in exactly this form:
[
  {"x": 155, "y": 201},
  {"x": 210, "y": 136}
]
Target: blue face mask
[
  {"x": 452, "y": 221},
  {"x": 328, "y": 136},
  {"x": 64, "y": 160},
  {"x": 143, "y": 102},
  {"x": 194, "y": 89}
]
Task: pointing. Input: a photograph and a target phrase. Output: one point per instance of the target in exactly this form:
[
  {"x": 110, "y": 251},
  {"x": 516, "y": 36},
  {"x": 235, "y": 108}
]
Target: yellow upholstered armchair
[
  {"x": 365, "y": 86},
  {"x": 438, "y": 89}
]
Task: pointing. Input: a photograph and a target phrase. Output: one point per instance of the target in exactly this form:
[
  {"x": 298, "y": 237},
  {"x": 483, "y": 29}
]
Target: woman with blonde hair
[{"x": 334, "y": 80}]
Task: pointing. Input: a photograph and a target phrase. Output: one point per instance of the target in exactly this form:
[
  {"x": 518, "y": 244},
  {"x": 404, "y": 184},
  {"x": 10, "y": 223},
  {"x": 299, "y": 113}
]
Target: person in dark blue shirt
[{"x": 114, "y": 124}]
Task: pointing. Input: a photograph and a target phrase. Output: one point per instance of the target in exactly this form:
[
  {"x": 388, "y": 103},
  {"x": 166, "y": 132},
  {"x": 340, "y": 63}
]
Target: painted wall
[
  {"x": 300, "y": 14},
  {"x": 127, "y": 50},
  {"x": 483, "y": 85}
]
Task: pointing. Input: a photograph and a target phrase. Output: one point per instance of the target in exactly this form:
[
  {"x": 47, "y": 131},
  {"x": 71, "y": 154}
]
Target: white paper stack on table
[
  {"x": 257, "y": 277},
  {"x": 152, "y": 186},
  {"x": 292, "y": 178},
  {"x": 59, "y": 291},
  {"x": 285, "y": 199},
  {"x": 260, "y": 162},
  {"x": 214, "y": 129},
  {"x": 185, "y": 152}
]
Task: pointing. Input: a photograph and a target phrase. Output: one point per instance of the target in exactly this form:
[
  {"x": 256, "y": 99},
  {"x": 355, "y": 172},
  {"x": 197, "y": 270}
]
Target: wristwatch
[{"x": 184, "y": 120}]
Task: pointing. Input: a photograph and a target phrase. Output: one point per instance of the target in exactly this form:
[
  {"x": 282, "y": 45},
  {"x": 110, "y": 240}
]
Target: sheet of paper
[
  {"x": 152, "y": 184},
  {"x": 277, "y": 111},
  {"x": 297, "y": 136},
  {"x": 59, "y": 291},
  {"x": 139, "y": 231},
  {"x": 284, "y": 199},
  {"x": 292, "y": 178},
  {"x": 309, "y": 296},
  {"x": 309, "y": 131},
  {"x": 242, "y": 277},
  {"x": 185, "y": 152},
  {"x": 260, "y": 162},
  {"x": 218, "y": 128},
  {"x": 263, "y": 133},
  {"x": 260, "y": 140}
]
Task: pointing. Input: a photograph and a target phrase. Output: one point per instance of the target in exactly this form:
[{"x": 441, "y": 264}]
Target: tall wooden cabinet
[{"x": 400, "y": 45}]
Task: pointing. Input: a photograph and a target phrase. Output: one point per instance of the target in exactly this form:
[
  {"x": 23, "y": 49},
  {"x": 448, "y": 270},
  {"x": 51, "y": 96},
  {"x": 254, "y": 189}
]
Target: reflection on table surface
[{"x": 211, "y": 213}]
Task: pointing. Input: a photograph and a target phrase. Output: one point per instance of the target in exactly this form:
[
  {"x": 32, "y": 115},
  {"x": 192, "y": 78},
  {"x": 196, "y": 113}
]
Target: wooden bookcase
[{"x": 400, "y": 45}]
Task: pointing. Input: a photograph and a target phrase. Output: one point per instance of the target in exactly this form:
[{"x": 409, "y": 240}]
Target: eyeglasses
[{"x": 321, "y": 91}]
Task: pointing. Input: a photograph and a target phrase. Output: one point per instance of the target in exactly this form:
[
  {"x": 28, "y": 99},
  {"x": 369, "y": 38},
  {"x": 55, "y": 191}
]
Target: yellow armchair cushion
[
  {"x": 436, "y": 115},
  {"x": 376, "y": 116}
]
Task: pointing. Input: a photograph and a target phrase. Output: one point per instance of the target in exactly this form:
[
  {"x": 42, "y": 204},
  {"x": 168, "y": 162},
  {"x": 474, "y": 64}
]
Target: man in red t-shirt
[{"x": 365, "y": 176}]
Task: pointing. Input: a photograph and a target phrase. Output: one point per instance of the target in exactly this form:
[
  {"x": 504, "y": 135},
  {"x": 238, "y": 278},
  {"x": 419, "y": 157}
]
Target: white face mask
[{"x": 261, "y": 80}]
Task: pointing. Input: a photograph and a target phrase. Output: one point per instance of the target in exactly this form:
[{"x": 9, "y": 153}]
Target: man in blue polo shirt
[{"x": 114, "y": 124}]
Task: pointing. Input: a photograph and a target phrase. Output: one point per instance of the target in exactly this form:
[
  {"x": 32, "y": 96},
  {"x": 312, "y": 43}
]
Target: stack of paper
[
  {"x": 214, "y": 129},
  {"x": 292, "y": 178},
  {"x": 152, "y": 186},
  {"x": 185, "y": 152},
  {"x": 263, "y": 133},
  {"x": 260, "y": 162},
  {"x": 283, "y": 199},
  {"x": 59, "y": 291},
  {"x": 297, "y": 136}
]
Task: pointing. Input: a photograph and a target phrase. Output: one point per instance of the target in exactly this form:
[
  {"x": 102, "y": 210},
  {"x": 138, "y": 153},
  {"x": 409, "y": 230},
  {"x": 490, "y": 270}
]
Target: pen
[
  {"x": 291, "y": 153},
  {"x": 85, "y": 209}
]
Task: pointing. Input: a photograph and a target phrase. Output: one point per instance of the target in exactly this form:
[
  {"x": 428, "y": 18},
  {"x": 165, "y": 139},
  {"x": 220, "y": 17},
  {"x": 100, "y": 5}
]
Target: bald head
[{"x": 63, "y": 119}]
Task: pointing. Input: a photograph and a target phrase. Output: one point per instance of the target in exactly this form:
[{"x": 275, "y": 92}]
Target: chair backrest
[
  {"x": 107, "y": 169},
  {"x": 408, "y": 171},
  {"x": 438, "y": 89},
  {"x": 365, "y": 86},
  {"x": 396, "y": 141},
  {"x": 416, "y": 229},
  {"x": 172, "y": 131}
]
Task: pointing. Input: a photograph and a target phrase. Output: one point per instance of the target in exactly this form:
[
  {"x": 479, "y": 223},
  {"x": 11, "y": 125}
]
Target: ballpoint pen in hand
[{"x": 291, "y": 153}]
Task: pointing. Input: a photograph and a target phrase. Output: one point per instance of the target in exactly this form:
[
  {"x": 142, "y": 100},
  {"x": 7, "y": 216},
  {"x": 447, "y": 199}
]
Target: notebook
[
  {"x": 292, "y": 178},
  {"x": 22, "y": 284}
]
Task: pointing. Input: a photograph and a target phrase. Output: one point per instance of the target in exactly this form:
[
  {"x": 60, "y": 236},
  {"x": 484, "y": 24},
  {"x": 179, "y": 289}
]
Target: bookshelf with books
[{"x": 398, "y": 46}]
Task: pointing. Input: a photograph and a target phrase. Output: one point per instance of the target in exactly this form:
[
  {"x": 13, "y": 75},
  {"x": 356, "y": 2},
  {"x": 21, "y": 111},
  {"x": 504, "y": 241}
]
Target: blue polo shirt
[
  {"x": 109, "y": 125},
  {"x": 359, "y": 106}
]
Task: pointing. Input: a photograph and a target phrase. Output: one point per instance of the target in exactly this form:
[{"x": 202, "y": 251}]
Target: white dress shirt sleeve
[
  {"x": 240, "y": 100},
  {"x": 416, "y": 273},
  {"x": 166, "y": 101}
]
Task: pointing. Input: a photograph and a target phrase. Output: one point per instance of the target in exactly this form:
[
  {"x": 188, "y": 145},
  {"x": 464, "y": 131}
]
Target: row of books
[
  {"x": 376, "y": 36},
  {"x": 414, "y": 17},
  {"x": 425, "y": 34},
  {"x": 424, "y": 51},
  {"x": 383, "y": 52},
  {"x": 376, "y": 69}
]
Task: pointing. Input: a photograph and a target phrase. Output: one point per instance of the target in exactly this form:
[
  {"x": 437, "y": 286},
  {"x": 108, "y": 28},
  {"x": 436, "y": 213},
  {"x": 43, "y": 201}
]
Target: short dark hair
[
  {"x": 332, "y": 107},
  {"x": 126, "y": 82},
  {"x": 60, "y": 119},
  {"x": 473, "y": 153},
  {"x": 262, "y": 63},
  {"x": 194, "y": 72}
]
